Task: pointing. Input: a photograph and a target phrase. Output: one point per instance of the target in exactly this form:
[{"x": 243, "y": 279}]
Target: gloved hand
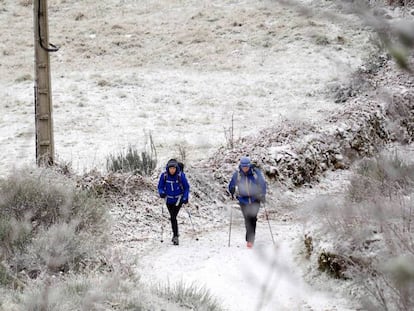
[
  {"x": 184, "y": 201},
  {"x": 232, "y": 193},
  {"x": 163, "y": 195}
]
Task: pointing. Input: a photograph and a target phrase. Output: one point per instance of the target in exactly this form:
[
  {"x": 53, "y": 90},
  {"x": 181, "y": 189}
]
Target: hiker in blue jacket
[
  {"x": 174, "y": 187},
  {"x": 249, "y": 186}
]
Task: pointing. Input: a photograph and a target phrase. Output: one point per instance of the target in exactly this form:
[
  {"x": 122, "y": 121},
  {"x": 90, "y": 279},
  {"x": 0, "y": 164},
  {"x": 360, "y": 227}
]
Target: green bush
[{"x": 132, "y": 161}]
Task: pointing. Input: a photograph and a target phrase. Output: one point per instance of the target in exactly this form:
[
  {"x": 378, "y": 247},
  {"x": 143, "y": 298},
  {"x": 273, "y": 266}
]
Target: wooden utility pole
[{"x": 43, "y": 92}]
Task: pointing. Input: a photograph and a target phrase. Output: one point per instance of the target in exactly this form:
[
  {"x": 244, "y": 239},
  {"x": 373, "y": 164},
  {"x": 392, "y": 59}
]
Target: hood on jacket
[
  {"x": 245, "y": 162},
  {"x": 172, "y": 163}
]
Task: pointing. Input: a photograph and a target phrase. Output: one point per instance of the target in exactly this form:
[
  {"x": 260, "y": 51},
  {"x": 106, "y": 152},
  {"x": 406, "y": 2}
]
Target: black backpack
[{"x": 181, "y": 166}]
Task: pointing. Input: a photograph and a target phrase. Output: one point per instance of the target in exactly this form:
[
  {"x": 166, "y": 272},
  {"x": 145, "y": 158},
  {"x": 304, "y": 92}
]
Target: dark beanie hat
[{"x": 172, "y": 163}]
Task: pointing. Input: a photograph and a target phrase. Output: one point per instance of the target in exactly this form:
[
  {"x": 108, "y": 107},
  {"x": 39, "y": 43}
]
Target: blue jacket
[
  {"x": 249, "y": 187},
  {"x": 175, "y": 187}
]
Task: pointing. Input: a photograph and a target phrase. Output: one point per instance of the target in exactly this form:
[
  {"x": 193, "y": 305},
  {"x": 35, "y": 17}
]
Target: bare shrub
[
  {"x": 371, "y": 229},
  {"x": 384, "y": 174},
  {"x": 182, "y": 152},
  {"x": 229, "y": 134}
]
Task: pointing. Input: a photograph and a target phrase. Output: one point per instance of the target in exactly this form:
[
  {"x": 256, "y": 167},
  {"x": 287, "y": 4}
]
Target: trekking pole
[
  {"x": 192, "y": 224},
  {"x": 268, "y": 222},
  {"x": 231, "y": 216},
  {"x": 162, "y": 223}
]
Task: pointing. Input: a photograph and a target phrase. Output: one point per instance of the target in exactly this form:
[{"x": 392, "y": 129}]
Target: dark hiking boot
[{"x": 175, "y": 240}]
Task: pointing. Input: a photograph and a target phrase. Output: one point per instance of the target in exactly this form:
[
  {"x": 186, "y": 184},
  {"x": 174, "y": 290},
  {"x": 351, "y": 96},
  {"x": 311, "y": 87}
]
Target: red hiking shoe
[{"x": 249, "y": 244}]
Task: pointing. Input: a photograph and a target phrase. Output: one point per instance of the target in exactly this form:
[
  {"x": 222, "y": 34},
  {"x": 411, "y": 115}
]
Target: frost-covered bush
[
  {"x": 115, "y": 289},
  {"x": 83, "y": 292},
  {"x": 47, "y": 225},
  {"x": 370, "y": 232},
  {"x": 385, "y": 175}
]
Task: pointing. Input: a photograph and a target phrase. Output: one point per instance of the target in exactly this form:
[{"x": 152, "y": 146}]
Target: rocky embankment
[{"x": 295, "y": 154}]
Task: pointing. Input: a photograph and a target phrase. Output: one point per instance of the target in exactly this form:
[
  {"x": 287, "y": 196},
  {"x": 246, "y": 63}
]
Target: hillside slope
[{"x": 179, "y": 69}]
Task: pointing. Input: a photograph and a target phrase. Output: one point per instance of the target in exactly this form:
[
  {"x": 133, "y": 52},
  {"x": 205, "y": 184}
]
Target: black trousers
[
  {"x": 250, "y": 212},
  {"x": 173, "y": 210}
]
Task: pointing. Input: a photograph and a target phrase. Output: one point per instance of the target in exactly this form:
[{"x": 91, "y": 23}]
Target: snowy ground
[
  {"x": 267, "y": 277},
  {"x": 182, "y": 69},
  {"x": 178, "y": 69},
  {"x": 263, "y": 278}
]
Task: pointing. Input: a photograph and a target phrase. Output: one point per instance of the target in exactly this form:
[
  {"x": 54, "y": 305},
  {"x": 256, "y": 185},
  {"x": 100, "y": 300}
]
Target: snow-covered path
[{"x": 263, "y": 278}]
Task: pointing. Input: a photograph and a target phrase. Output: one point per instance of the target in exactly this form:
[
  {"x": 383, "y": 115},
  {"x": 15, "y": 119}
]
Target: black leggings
[
  {"x": 174, "y": 209},
  {"x": 250, "y": 212}
]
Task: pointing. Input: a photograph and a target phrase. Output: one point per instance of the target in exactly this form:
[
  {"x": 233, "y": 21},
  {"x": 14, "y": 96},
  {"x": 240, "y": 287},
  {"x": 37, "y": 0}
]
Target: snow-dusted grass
[
  {"x": 81, "y": 292},
  {"x": 189, "y": 296}
]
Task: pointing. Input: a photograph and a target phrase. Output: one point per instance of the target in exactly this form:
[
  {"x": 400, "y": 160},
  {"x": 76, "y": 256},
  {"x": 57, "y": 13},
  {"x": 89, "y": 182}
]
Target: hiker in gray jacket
[{"x": 249, "y": 186}]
